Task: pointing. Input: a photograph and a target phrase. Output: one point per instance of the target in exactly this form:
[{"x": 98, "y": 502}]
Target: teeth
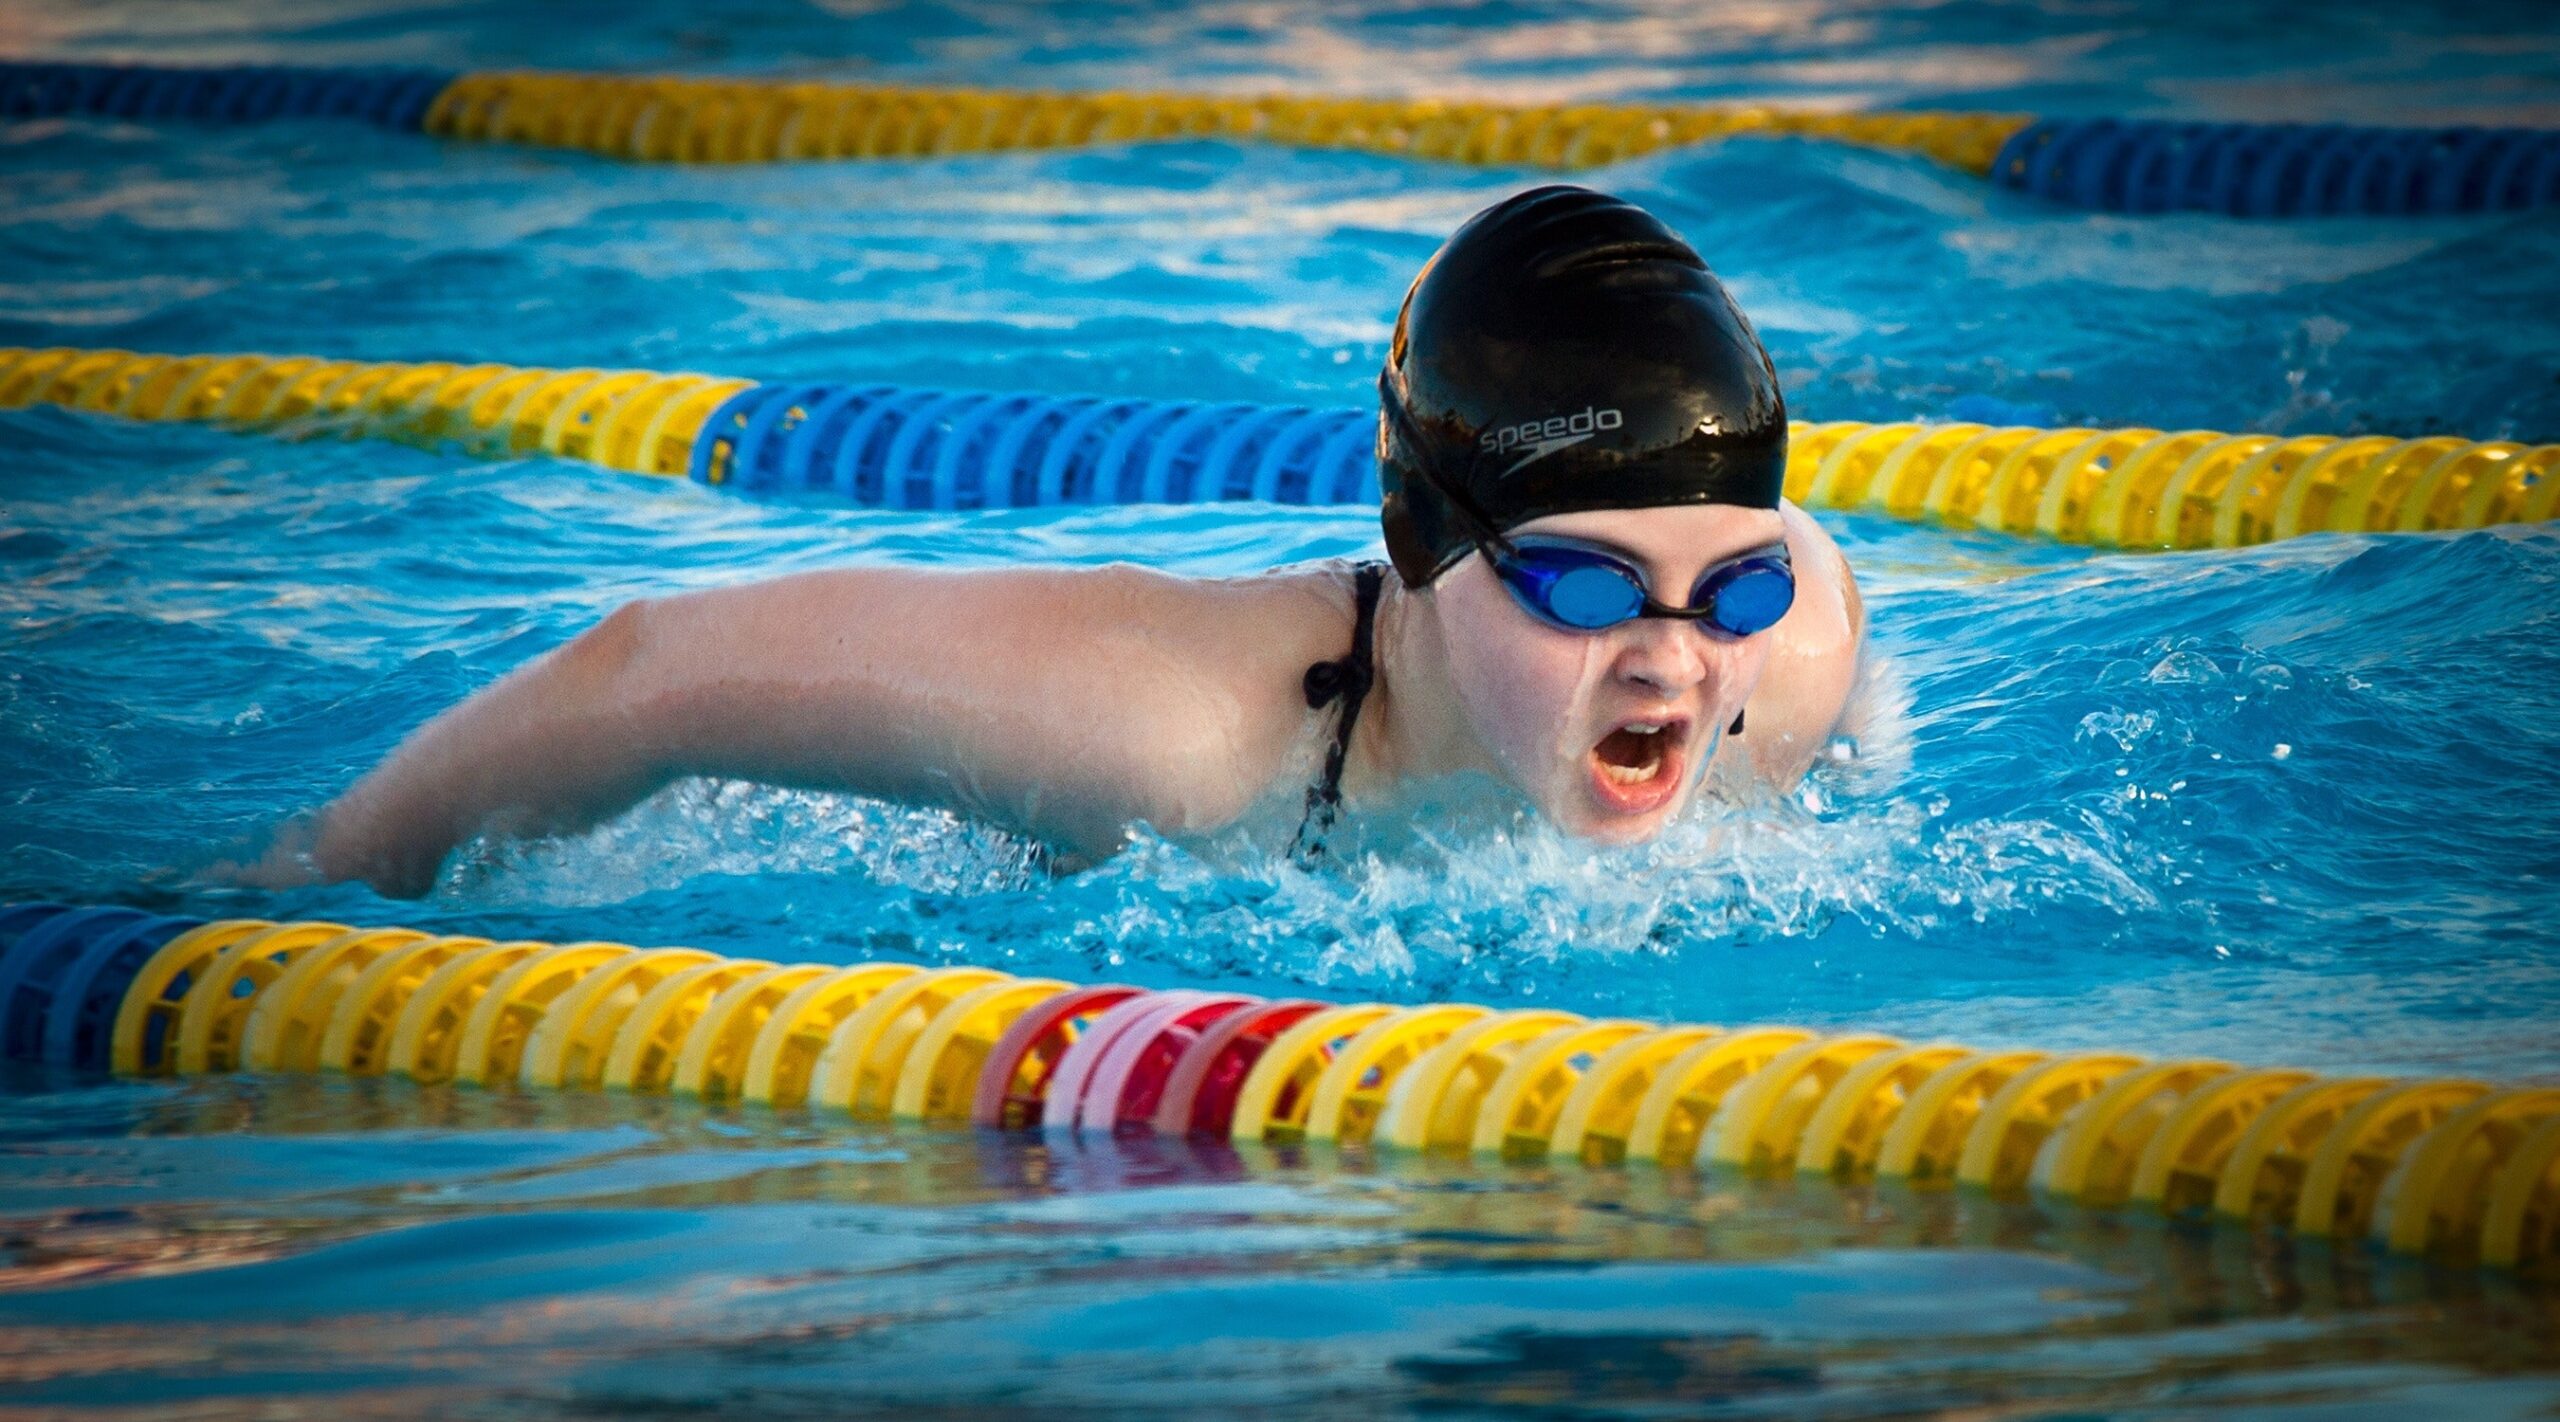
[
  {"x": 1642, "y": 728},
  {"x": 1630, "y": 774}
]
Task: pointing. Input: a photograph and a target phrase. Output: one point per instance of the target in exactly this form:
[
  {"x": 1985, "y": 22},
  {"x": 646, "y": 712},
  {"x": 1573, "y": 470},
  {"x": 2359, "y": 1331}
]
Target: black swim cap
[{"x": 1564, "y": 351}]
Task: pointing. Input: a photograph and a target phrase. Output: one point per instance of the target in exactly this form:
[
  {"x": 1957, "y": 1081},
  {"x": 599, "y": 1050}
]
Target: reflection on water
[
  {"x": 394, "y": 1246},
  {"x": 2285, "y": 803}
]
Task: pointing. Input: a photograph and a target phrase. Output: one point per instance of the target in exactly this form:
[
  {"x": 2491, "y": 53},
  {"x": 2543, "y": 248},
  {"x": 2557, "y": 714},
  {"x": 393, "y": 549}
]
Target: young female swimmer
[{"x": 1600, "y": 599}]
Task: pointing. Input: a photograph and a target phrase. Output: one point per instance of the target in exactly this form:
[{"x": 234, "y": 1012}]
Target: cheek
[
  {"x": 1738, "y": 669},
  {"x": 1521, "y": 684}
]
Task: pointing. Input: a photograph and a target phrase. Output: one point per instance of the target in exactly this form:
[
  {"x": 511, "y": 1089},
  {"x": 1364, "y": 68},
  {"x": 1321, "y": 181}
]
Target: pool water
[{"x": 2283, "y": 804}]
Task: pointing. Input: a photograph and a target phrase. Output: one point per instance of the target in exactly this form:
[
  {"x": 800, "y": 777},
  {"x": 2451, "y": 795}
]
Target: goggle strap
[{"x": 1484, "y": 531}]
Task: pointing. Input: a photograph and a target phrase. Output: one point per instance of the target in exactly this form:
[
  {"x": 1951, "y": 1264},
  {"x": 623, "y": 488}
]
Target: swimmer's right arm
[{"x": 1062, "y": 703}]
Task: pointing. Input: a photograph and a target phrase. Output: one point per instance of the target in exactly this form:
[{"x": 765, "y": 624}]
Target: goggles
[{"x": 1577, "y": 587}]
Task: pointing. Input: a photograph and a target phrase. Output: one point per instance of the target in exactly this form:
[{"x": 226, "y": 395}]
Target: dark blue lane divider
[
  {"x": 2122, "y": 165},
  {"x": 887, "y": 446},
  {"x": 395, "y": 98},
  {"x": 63, "y": 975},
  {"x": 2280, "y": 170}
]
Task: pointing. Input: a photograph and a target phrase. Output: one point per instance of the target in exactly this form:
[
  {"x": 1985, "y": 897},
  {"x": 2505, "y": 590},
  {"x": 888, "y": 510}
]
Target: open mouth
[{"x": 1635, "y": 768}]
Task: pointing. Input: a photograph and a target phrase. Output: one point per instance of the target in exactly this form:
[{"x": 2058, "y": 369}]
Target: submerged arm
[{"x": 1063, "y": 703}]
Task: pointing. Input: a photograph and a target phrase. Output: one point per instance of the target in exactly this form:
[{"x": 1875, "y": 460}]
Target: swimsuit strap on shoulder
[{"x": 1348, "y": 678}]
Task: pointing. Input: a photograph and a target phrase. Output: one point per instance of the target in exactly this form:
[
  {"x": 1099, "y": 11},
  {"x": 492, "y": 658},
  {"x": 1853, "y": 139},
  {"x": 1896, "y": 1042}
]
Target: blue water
[{"x": 2292, "y": 803}]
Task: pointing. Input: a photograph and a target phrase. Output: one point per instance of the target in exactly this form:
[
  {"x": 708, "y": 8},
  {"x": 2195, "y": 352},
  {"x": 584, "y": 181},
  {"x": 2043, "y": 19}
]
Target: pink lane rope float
[{"x": 2456, "y": 1169}]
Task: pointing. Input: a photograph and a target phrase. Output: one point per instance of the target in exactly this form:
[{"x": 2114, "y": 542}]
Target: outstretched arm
[
  {"x": 554, "y": 745},
  {"x": 1061, "y": 702}
]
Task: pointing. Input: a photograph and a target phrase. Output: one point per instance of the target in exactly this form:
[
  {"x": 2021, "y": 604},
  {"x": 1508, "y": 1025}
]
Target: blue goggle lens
[
  {"x": 1753, "y": 599},
  {"x": 1584, "y": 590},
  {"x": 1592, "y": 597}
]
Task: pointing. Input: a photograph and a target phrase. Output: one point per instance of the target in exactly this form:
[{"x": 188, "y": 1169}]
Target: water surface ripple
[{"x": 2290, "y": 803}]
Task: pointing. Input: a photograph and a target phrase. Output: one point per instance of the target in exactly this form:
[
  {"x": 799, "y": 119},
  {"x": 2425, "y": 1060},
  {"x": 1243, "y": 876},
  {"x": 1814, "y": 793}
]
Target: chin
[
  {"x": 1584, "y": 819},
  {"x": 1637, "y": 831}
]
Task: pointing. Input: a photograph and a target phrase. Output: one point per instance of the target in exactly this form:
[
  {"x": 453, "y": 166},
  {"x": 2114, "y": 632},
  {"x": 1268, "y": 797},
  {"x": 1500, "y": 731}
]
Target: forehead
[{"x": 1671, "y": 535}]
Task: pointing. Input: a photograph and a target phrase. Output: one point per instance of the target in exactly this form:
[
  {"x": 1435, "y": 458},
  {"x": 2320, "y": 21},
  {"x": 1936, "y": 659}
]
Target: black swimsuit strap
[{"x": 1348, "y": 678}]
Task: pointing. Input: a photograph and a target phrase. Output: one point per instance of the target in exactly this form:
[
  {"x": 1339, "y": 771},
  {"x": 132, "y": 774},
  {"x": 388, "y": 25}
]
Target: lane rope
[
  {"x": 2125, "y": 165},
  {"x": 732, "y": 121},
  {"x": 900, "y": 447},
  {"x": 669, "y": 118},
  {"x": 393, "y": 98},
  {"x": 2280, "y": 170},
  {"x": 2457, "y": 1170}
]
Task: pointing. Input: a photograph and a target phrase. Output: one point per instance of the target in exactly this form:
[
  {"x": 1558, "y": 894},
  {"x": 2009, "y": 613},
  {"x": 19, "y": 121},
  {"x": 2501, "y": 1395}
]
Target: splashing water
[{"x": 2289, "y": 803}]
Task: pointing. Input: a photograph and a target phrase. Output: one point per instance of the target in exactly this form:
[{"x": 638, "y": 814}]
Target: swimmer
[{"x": 1597, "y": 604}]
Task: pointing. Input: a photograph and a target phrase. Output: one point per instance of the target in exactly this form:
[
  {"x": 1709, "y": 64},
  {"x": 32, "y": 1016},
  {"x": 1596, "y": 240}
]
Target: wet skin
[
  {"x": 1610, "y": 733},
  {"x": 1072, "y": 703}
]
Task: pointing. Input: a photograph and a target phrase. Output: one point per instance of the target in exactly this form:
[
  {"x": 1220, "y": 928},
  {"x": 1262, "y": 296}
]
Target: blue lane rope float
[
  {"x": 897, "y": 447},
  {"x": 2127, "y": 165},
  {"x": 63, "y": 975},
  {"x": 900, "y": 447},
  {"x": 2456, "y": 1170},
  {"x": 2280, "y": 170},
  {"x": 393, "y": 98}
]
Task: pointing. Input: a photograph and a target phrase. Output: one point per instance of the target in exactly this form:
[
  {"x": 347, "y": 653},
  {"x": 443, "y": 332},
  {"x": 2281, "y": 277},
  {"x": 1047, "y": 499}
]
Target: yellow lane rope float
[
  {"x": 759, "y": 121},
  {"x": 2458, "y": 1170},
  {"x": 901, "y": 447},
  {"x": 2136, "y": 165},
  {"x": 2125, "y": 165},
  {"x": 630, "y": 420}
]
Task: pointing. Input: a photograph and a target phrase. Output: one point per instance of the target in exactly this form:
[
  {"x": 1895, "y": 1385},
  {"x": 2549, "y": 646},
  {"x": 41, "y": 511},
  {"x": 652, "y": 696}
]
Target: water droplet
[{"x": 2185, "y": 668}]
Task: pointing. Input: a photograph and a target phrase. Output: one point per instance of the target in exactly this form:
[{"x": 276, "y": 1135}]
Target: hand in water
[{"x": 285, "y": 864}]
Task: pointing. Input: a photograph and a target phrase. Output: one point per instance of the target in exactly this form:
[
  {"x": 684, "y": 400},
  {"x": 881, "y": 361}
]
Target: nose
[{"x": 1662, "y": 656}]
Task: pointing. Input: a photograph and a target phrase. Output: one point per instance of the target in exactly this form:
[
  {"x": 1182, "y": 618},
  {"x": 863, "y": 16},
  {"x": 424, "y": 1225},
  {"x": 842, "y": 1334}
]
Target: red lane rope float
[
  {"x": 2454, "y": 1169},
  {"x": 1013, "y": 1088},
  {"x": 1083, "y": 1060},
  {"x": 1200, "y": 1092},
  {"x": 1128, "y": 1083}
]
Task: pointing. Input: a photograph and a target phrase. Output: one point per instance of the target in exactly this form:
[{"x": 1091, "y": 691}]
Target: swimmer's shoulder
[
  {"x": 1813, "y": 657},
  {"x": 1252, "y": 627},
  {"x": 1256, "y": 635},
  {"x": 1216, "y": 673}
]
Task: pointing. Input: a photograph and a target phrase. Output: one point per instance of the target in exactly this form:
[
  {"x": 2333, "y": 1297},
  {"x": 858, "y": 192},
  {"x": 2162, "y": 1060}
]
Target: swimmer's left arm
[
  {"x": 1813, "y": 658},
  {"x": 1062, "y": 702}
]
